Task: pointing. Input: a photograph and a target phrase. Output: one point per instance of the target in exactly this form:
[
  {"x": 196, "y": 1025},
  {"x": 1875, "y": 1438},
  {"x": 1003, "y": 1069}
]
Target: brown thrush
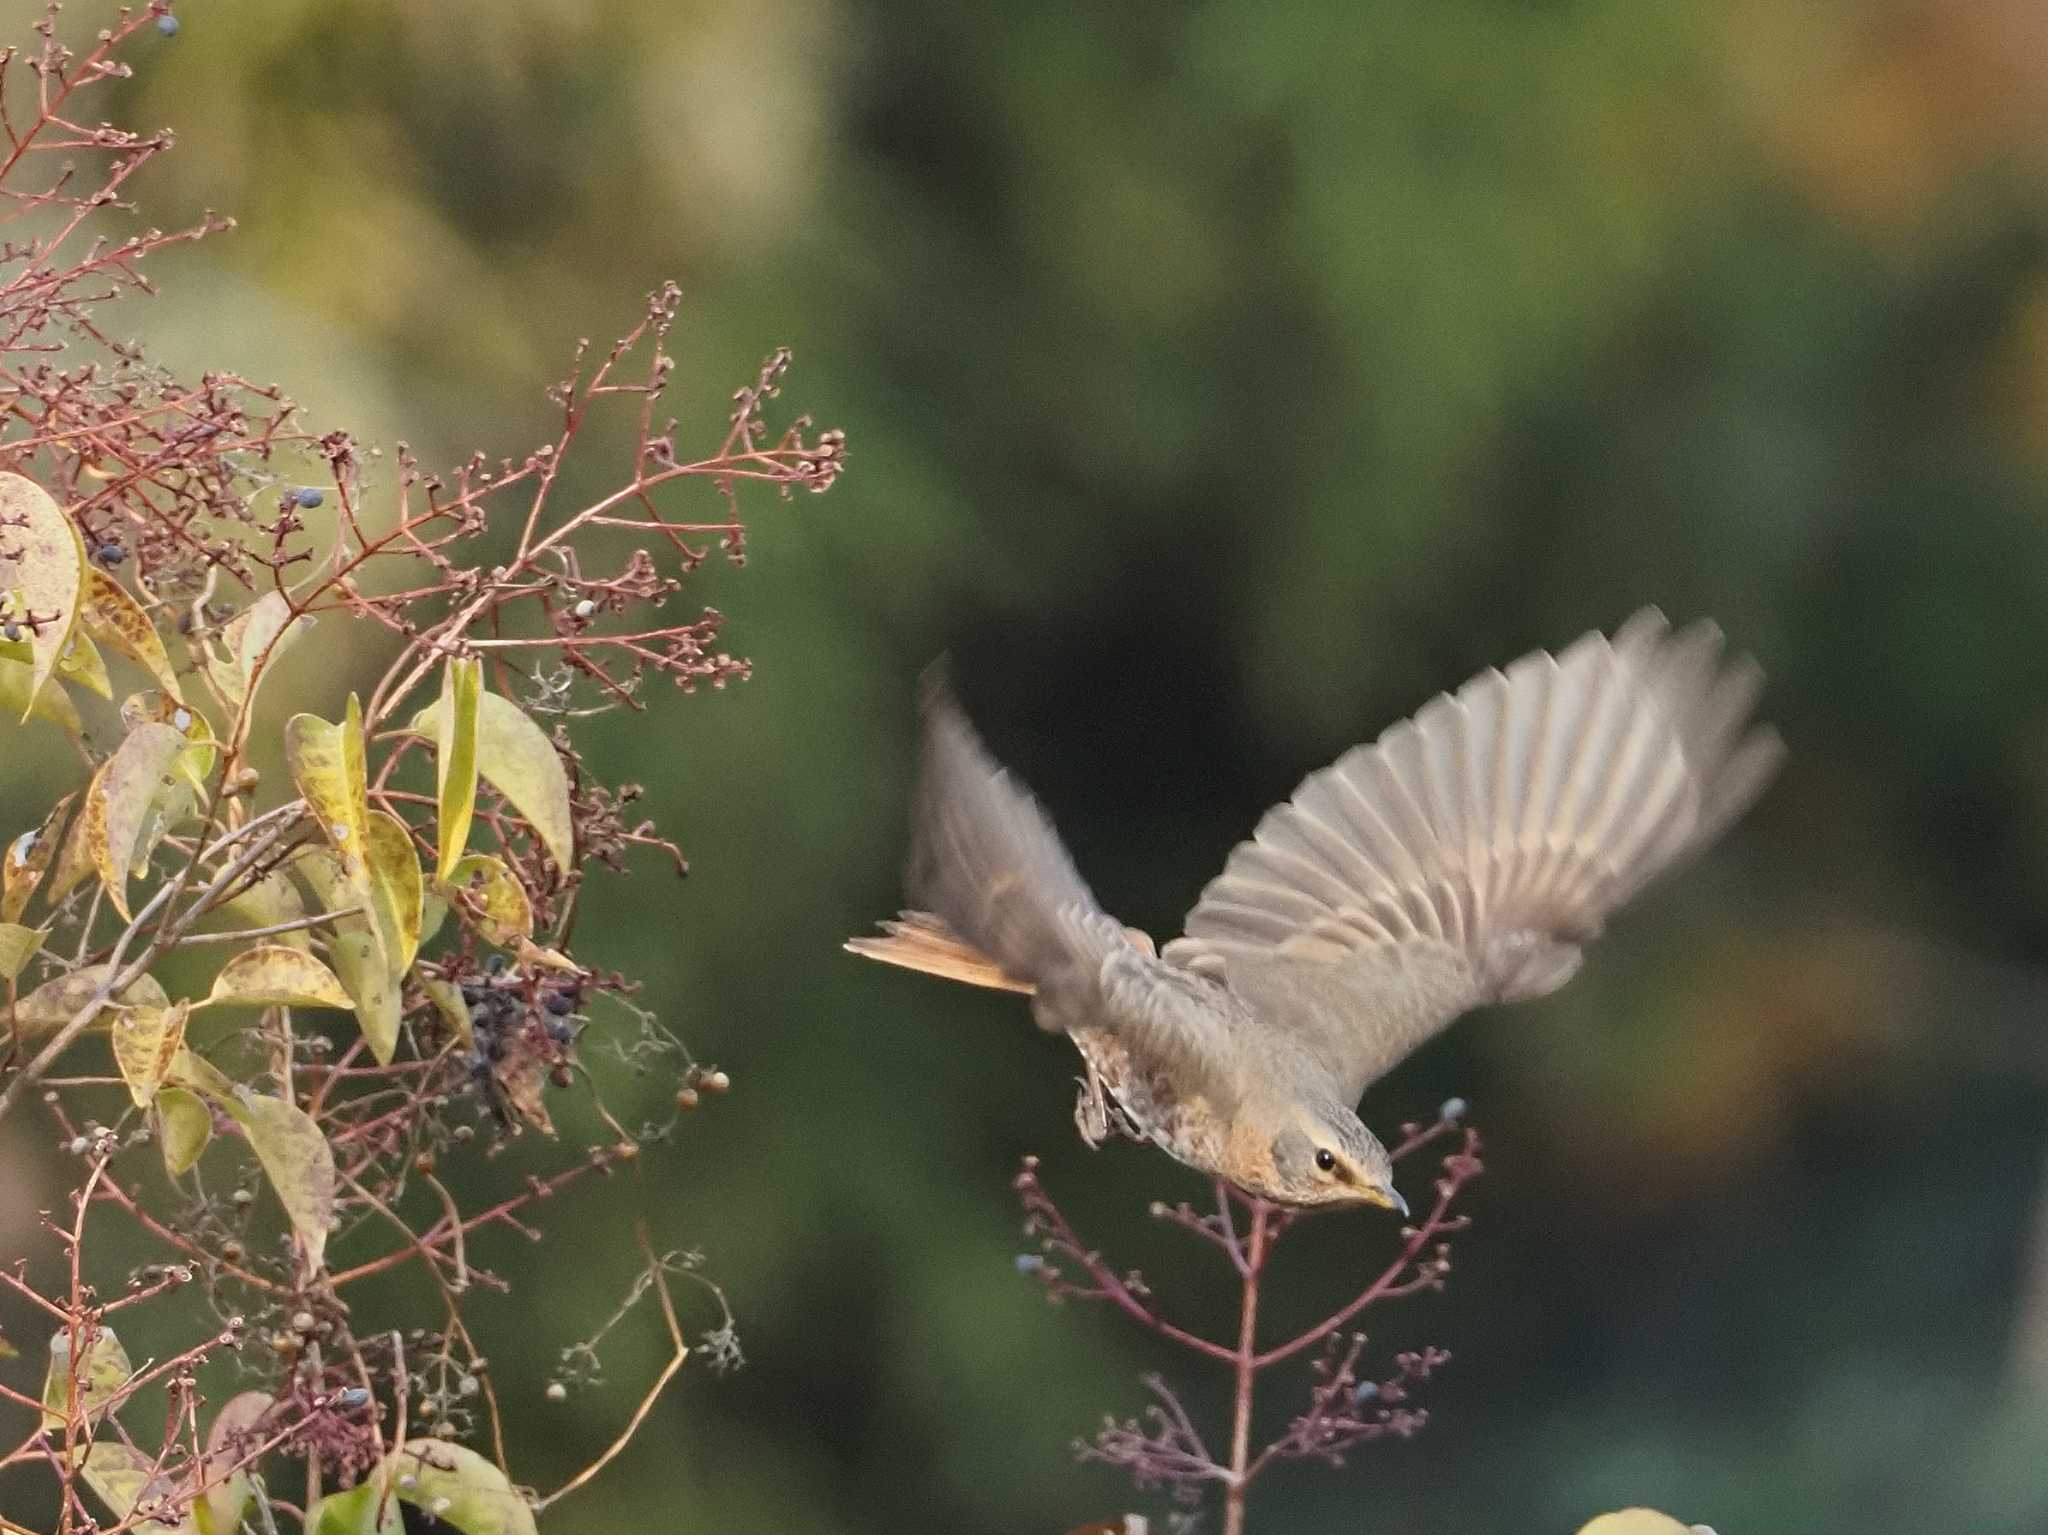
[{"x": 1464, "y": 858}]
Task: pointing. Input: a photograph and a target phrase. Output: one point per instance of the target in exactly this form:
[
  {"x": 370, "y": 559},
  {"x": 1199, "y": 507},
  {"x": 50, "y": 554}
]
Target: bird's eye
[{"x": 1326, "y": 1159}]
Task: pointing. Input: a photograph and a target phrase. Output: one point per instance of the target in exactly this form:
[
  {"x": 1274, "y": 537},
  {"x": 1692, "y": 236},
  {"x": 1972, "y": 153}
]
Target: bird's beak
[{"x": 1388, "y": 1198}]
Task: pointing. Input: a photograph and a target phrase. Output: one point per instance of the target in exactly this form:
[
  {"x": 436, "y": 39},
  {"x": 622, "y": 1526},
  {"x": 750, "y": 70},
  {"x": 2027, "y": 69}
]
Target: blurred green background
[{"x": 1221, "y": 380}]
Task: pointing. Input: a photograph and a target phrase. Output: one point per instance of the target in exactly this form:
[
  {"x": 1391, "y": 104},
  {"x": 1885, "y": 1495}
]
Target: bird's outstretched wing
[
  {"x": 988, "y": 865},
  {"x": 1468, "y": 854}
]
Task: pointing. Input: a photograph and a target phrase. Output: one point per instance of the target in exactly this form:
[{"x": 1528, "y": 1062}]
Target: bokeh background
[{"x": 1221, "y": 380}]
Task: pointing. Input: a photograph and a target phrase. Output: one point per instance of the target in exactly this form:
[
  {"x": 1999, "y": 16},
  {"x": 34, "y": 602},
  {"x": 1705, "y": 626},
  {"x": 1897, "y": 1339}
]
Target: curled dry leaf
[
  {"x": 43, "y": 576},
  {"x": 274, "y": 974},
  {"x": 516, "y": 756},
  {"x": 26, "y": 858}
]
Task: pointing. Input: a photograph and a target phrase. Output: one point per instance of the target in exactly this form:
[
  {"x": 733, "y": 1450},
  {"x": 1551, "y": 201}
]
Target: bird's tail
[{"x": 919, "y": 941}]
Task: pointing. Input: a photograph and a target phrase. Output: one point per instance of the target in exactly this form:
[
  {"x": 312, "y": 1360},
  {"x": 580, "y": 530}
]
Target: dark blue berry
[
  {"x": 560, "y": 1003},
  {"x": 168, "y": 25},
  {"x": 1367, "y": 1391},
  {"x": 472, "y": 993},
  {"x": 351, "y": 1396},
  {"x": 1453, "y": 1110},
  {"x": 112, "y": 554},
  {"x": 495, "y": 965},
  {"x": 11, "y": 629},
  {"x": 1030, "y": 1263},
  {"x": 308, "y": 497},
  {"x": 562, "y": 1033}
]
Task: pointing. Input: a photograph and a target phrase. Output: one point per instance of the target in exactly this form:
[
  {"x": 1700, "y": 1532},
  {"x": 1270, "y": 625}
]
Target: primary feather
[{"x": 1468, "y": 855}]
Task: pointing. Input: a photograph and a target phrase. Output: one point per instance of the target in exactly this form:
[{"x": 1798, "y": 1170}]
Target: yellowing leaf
[
  {"x": 119, "y": 801},
  {"x": 274, "y": 974},
  {"x": 103, "y": 1369},
  {"x": 18, "y": 946},
  {"x": 81, "y": 664},
  {"x": 27, "y": 856},
  {"x": 114, "y": 618},
  {"x": 43, "y": 576},
  {"x": 448, "y": 1002},
  {"x": 254, "y": 638},
  {"x": 356, "y": 953},
  {"x": 296, "y": 1159},
  {"x": 522, "y": 764},
  {"x": 531, "y": 953},
  {"x": 271, "y": 900},
  {"x": 396, "y": 888},
  {"x": 1635, "y": 1521},
  {"x": 459, "y": 1487},
  {"x": 184, "y": 1126},
  {"x": 327, "y": 764},
  {"x": 462, "y": 683},
  {"x": 51, "y": 1005},
  {"x": 494, "y": 898},
  {"x": 197, "y": 1074},
  {"x": 17, "y": 678},
  {"x": 145, "y": 1041}
]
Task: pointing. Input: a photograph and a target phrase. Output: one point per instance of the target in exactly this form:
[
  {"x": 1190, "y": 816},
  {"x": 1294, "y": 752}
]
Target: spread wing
[
  {"x": 988, "y": 865},
  {"x": 1467, "y": 855}
]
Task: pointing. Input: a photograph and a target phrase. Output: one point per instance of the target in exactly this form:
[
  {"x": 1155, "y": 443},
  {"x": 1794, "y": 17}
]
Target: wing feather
[{"x": 1470, "y": 853}]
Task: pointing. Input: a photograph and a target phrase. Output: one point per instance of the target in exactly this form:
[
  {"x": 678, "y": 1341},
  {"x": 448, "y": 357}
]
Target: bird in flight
[{"x": 1464, "y": 858}]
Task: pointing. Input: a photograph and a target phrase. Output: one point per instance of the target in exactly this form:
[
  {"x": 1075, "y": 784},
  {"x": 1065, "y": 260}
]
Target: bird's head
[{"x": 1323, "y": 1155}]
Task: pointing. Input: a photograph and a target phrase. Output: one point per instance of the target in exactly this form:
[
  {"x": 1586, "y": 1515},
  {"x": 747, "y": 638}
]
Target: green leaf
[
  {"x": 522, "y": 764},
  {"x": 272, "y": 974},
  {"x": 254, "y": 638},
  {"x": 327, "y": 764},
  {"x": 494, "y": 898},
  {"x": 119, "y": 802},
  {"x": 18, "y": 946},
  {"x": 462, "y": 682},
  {"x": 459, "y": 1487},
  {"x": 355, "y": 1512},
  {"x": 234, "y": 1435},
  {"x": 27, "y": 856},
  {"x": 396, "y": 890},
  {"x": 296, "y": 1159},
  {"x": 113, "y": 618},
  {"x": 146, "y": 1040},
  {"x": 52, "y": 704},
  {"x": 356, "y": 953},
  {"x": 44, "y": 575},
  {"x": 184, "y": 1126},
  {"x": 81, "y": 664}
]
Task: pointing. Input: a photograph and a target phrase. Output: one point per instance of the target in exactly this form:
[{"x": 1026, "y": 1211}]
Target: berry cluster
[{"x": 523, "y": 1030}]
